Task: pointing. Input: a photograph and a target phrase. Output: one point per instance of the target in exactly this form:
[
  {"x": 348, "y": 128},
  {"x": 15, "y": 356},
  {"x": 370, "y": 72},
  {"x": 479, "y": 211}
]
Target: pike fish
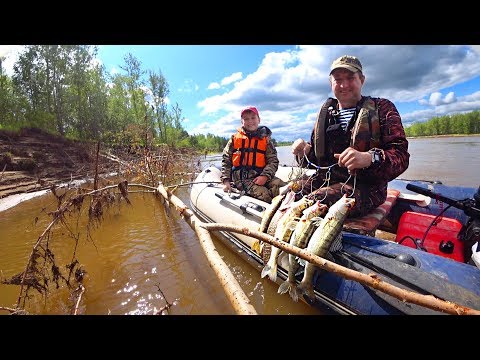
[
  {"x": 267, "y": 216},
  {"x": 270, "y": 211},
  {"x": 329, "y": 229},
  {"x": 285, "y": 227},
  {"x": 305, "y": 227}
]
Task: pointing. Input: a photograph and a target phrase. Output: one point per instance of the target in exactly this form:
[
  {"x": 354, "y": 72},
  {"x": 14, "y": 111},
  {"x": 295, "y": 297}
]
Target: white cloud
[
  {"x": 450, "y": 98},
  {"x": 189, "y": 86},
  {"x": 213, "y": 86},
  {"x": 9, "y": 55},
  {"x": 226, "y": 81},
  {"x": 437, "y": 99},
  {"x": 232, "y": 78},
  {"x": 461, "y": 104},
  {"x": 289, "y": 87}
]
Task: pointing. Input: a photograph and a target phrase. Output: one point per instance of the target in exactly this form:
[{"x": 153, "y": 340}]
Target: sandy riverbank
[{"x": 33, "y": 161}]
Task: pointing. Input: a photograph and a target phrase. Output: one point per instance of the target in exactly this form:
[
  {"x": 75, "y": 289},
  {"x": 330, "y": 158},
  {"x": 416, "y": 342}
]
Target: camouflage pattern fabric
[
  {"x": 265, "y": 193},
  {"x": 242, "y": 179},
  {"x": 371, "y": 182}
]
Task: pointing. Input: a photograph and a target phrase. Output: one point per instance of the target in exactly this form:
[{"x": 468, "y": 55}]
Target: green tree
[{"x": 160, "y": 91}]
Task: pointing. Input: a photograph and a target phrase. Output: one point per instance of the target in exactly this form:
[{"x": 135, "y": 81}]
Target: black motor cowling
[{"x": 476, "y": 196}]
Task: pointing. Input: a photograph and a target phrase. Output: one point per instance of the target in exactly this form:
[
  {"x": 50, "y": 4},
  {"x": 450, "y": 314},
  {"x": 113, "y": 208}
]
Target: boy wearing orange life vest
[{"x": 250, "y": 159}]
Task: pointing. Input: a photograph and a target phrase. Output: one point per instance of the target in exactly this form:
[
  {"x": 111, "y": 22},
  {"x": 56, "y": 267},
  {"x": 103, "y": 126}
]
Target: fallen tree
[{"x": 371, "y": 280}]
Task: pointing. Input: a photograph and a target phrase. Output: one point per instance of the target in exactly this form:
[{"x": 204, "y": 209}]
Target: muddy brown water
[
  {"x": 133, "y": 253},
  {"x": 142, "y": 248}
]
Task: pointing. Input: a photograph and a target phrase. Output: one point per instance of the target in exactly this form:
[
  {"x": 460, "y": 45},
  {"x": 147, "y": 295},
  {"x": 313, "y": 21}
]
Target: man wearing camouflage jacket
[{"x": 363, "y": 135}]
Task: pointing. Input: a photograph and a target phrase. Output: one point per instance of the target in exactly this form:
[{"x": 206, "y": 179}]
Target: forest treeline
[
  {"x": 464, "y": 124},
  {"x": 62, "y": 89},
  {"x": 456, "y": 124}
]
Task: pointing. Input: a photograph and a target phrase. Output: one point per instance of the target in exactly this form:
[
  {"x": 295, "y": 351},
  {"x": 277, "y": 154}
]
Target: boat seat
[{"x": 368, "y": 224}]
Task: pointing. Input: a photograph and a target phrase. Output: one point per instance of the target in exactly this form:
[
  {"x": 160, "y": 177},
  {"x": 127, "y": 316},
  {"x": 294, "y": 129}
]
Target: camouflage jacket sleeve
[
  {"x": 271, "y": 159},
  {"x": 394, "y": 144},
  {"x": 227, "y": 160}
]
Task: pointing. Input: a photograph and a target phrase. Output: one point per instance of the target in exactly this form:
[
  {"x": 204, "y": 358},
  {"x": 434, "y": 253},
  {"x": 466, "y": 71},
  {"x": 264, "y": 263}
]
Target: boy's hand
[
  {"x": 226, "y": 186},
  {"x": 260, "y": 180}
]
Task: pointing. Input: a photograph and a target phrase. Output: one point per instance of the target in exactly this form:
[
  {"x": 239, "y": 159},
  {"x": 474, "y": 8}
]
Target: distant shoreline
[
  {"x": 441, "y": 136},
  {"x": 421, "y": 137}
]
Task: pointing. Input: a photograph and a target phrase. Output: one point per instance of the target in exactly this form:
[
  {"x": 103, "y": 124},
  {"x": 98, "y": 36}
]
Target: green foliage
[
  {"x": 58, "y": 88},
  {"x": 467, "y": 123},
  {"x": 284, "y": 143},
  {"x": 208, "y": 143},
  {"x": 62, "y": 90}
]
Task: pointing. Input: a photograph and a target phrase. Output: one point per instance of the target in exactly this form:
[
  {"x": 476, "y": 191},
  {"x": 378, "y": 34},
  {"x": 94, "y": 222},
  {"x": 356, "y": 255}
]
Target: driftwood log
[
  {"x": 371, "y": 280},
  {"x": 238, "y": 299}
]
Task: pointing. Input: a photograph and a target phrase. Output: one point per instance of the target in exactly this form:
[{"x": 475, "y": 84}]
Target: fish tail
[
  {"x": 265, "y": 270},
  {"x": 310, "y": 294},
  {"x": 270, "y": 268},
  {"x": 293, "y": 292},
  {"x": 284, "y": 287},
  {"x": 272, "y": 273},
  {"x": 291, "y": 288},
  {"x": 301, "y": 288},
  {"x": 306, "y": 289}
]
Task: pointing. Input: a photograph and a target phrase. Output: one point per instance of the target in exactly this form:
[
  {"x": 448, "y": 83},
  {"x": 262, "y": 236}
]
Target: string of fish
[{"x": 326, "y": 180}]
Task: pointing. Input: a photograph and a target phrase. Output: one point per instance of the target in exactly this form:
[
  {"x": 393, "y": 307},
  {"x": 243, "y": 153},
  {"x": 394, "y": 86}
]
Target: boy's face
[{"x": 250, "y": 121}]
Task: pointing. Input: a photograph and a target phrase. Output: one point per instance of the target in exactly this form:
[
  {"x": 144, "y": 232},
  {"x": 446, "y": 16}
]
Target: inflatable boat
[{"x": 423, "y": 238}]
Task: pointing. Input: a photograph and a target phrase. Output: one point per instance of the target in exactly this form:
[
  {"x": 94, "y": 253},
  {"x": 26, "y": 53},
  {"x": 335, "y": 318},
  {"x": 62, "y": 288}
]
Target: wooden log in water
[{"x": 238, "y": 299}]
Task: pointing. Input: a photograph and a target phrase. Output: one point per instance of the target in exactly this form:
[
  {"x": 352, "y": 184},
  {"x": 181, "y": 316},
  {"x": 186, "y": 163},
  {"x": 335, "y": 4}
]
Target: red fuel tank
[{"x": 442, "y": 237}]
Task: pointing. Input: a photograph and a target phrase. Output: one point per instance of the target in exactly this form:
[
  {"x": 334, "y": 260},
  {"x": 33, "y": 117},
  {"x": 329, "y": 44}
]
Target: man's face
[
  {"x": 250, "y": 121},
  {"x": 347, "y": 86}
]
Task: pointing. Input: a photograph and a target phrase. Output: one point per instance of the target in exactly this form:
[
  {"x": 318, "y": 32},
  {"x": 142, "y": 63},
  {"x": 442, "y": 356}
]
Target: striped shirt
[{"x": 345, "y": 115}]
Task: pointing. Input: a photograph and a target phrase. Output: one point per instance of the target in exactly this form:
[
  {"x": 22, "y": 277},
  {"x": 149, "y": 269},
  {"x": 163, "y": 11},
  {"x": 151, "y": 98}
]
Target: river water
[{"x": 141, "y": 254}]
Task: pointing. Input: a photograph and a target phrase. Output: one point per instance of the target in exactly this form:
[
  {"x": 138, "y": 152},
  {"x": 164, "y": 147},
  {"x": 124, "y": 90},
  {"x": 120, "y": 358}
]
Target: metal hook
[{"x": 354, "y": 185}]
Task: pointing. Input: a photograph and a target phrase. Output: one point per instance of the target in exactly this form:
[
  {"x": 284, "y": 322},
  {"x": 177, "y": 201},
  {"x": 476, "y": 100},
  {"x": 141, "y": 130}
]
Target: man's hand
[
  {"x": 260, "y": 180},
  {"x": 353, "y": 159},
  {"x": 226, "y": 186},
  {"x": 300, "y": 147}
]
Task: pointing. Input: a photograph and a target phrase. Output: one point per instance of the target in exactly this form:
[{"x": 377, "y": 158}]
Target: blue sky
[{"x": 288, "y": 83}]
